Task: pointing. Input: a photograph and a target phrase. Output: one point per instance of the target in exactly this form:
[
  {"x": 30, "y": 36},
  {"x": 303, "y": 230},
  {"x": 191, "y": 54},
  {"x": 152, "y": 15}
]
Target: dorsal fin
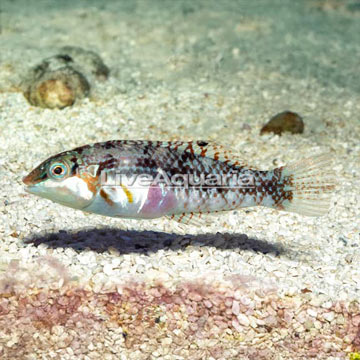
[{"x": 208, "y": 149}]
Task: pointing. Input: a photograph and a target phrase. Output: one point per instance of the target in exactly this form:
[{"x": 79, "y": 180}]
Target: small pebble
[
  {"x": 330, "y": 316},
  {"x": 235, "y": 307},
  {"x": 282, "y": 122},
  {"x": 312, "y": 312},
  {"x": 243, "y": 320}
]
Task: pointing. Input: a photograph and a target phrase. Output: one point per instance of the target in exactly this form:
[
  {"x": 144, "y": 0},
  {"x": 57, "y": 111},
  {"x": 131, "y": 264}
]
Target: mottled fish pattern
[{"x": 104, "y": 178}]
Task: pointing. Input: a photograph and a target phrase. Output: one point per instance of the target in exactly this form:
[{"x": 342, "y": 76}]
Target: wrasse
[{"x": 180, "y": 180}]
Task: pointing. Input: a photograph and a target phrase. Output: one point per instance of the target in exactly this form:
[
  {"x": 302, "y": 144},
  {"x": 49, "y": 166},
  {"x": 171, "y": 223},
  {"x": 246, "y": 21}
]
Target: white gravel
[{"x": 283, "y": 285}]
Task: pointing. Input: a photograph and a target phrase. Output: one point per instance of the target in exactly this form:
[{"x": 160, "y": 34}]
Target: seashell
[
  {"x": 56, "y": 89},
  {"x": 60, "y": 80},
  {"x": 88, "y": 61}
]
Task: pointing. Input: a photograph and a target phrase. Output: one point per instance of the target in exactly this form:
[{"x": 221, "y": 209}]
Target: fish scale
[{"x": 75, "y": 178}]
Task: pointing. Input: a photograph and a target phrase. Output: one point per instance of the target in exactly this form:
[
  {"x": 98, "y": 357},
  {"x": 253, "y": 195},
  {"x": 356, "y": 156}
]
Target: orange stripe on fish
[
  {"x": 91, "y": 181},
  {"x": 127, "y": 193},
  {"x": 106, "y": 197}
]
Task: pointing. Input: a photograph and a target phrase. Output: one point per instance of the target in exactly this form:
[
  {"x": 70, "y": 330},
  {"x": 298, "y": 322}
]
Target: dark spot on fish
[
  {"x": 107, "y": 164},
  {"x": 109, "y": 145},
  {"x": 146, "y": 149},
  {"x": 187, "y": 156},
  {"x": 146, "y": 163},
  {"x": 81, "y": 149},
  {"x": 202, "y": 143},
  {"x": 74, "y": 167},
  {"x": 106, "y": 197}
]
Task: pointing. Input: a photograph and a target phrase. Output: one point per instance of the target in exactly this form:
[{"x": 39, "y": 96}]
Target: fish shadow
[{"x": 146, "y": 242}]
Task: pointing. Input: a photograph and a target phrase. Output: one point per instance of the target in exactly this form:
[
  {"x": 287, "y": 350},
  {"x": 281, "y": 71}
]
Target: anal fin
[{"x": 191, "y": 218}]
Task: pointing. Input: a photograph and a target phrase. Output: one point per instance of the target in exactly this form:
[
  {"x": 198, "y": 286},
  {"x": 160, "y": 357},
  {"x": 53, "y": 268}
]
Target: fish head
[{"x": 61, "y": 180}]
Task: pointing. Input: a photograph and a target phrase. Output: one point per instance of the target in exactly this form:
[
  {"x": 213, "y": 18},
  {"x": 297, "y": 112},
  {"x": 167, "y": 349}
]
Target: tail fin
[{"x": 309, "y": 183}]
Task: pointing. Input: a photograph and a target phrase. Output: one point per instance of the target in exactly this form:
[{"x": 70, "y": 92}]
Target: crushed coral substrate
[{"x": 235, "y": 318}]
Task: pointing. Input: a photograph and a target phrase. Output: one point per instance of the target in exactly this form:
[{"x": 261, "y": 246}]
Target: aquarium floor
[{"x": 250, "y": 284}]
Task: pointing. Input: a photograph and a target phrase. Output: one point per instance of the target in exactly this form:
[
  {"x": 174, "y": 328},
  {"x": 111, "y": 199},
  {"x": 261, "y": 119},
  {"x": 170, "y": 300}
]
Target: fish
[{"x": 182, "y": 180}]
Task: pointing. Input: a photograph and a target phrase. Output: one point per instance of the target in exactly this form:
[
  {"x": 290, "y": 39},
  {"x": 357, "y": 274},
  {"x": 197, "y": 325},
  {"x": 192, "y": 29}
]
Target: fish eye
[{"x": 58, "y": 170}]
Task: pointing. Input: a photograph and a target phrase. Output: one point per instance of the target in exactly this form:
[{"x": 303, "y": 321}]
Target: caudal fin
[{"x": 308, "y": 185}]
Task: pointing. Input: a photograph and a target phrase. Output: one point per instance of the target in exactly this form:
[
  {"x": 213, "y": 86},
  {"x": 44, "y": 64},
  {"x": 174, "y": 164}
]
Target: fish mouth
[
  {"x": 31, "y": 189},
  {"x": 27, "y": 180},
  {"x": 35, "y": 176},
  {"x": 38, "y": 190}
]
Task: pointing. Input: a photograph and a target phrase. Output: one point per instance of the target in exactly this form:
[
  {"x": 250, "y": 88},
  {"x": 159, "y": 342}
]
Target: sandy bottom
[{"x": 250, "y": 284}]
